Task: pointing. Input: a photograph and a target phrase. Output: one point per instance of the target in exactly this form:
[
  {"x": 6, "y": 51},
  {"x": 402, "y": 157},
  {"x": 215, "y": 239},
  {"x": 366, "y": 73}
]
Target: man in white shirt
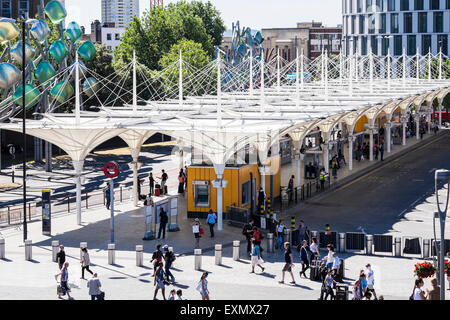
[
  {"x": 336, "y": 265},
  {"x": 370, "y": 280}
]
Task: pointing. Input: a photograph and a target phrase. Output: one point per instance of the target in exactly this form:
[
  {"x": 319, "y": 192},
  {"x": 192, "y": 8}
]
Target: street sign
[
  {"x": 46, "y": 212},
  {"x": 111, "y": 169}
]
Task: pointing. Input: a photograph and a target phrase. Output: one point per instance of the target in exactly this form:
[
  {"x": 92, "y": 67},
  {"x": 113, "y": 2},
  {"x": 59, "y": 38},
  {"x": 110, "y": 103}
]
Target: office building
[
  {"x": 119, "y": 12},
  {"x": 14, "y": 8},
  {"x": 396, "y": 25}
]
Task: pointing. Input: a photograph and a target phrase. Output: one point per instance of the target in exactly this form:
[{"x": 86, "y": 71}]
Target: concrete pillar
[
  {"x": 135, "y": 156},
  {"x": 398, "y": 246},
  {"x": 300, "y": 158},
  {"x": 371, "y": 144},
  {"x": 341, "y": 242},
  {"x": 440, "y": 115},
  {"x": 139, "y": 255},
  {"x": 369, "y": 243},
  {"x": 426, "y": 248},
  {"x": 218, "y": 254},
  {"x": 417, "y": 126},
  {"x": 350, "y": 152},
  {"x": 430, "y": 111},
  {"x": 388, "y": 136},
  {"x": 55, "y": 249},
  {"x": 28, "y": 250},
  {"x": 404, "y": 131},
  {"x": 78, "y": 166},
  {"x": 197, "y": 259},
  {"x": 236, "y": 248},
  {"x": 82, "y": 245},
  {"x": 111, "y": 253},
  {"x": 270, "y": 242},
  {"x": 2, "y": 248},
  {"x": 326, "y": 157},
  {"x": 220, "y": 184}
]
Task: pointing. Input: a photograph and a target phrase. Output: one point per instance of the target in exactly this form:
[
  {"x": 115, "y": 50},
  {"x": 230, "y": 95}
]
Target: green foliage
[{"x": 212, "y": 21}]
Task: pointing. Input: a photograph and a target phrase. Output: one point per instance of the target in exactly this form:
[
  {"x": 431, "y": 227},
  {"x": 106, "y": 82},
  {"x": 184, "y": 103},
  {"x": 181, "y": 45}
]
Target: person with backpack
[
  {"x": 156, "y": 258},
  {"x": 163, "y": 220},
  {"x": 159, "y": 281},
  {"x": 169, "y": 258},
  {"x": 211, "y": 220},
  {"x": 247, "y": 231}
]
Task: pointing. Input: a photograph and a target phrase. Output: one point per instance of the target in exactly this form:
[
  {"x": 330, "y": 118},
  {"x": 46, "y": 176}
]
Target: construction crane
[{"x": 155, "y": 3}]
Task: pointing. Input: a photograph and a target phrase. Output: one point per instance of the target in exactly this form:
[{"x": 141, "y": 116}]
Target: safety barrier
[
  {"x": 382, "y": 243},
  {"x": 354, "y": 241},
  {"x": 237, "y": 214},
  {"x": 412, "y": 245},
  {"x": 446, "y": 248},
  {"x": 326, "y": 238}
]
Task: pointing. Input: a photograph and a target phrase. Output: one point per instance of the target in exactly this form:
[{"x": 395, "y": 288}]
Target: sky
[{"x": 255, "y": 14}]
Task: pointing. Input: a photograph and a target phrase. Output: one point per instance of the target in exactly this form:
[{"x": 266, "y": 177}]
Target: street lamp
[
  {"x": 24, "y": 152},
  {"x": 441, "y": 178}
]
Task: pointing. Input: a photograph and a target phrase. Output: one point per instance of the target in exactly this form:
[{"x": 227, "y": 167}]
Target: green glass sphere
[
  {"x": 8, "y": 29},
  {"x": 90, "y": 86},
  {"x": 9, "y": 75},
  {"x": 44, "y": 72},
  {"x": 55, "y": 11},
  {"x": 31, "y": 96},
  {"x": 62, "y": 91},
  {"x": 73, "y": 31},
  {"x": 16, "y": 52},
  {"x": 58, "y": 50},
  {"x": 40, "y": 31},
  {"x": 87, "y": 51}
]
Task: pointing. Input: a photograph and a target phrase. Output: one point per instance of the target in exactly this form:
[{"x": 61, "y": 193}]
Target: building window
[
  {"x": 391, "y": 5},
  {"x": 6, "y": 9},
  {"x": 201, "y": 194},
  {"x": 353, "y": 24},
  {"x": 382, "y": 23},
  {"x": 246, "y": 193},
  {"x": 361, "y": 24},
  {"x": 394, "y": 22},
  {"x": 404, "y": 5},
  {"x": 364, "y": 46},
  {"x": 385, "y": 46},
  {"x": 434, "y": 4},
  {"x": 355, "y": 44},
  {"x": 447, "y": 4},
  {"x": 398, "y": 45},
  {"x": 418, "y": 4},
  {"x": 108, "y": 36},
  {"x": 438, "y": 21},
  {"x": 368, "y": 5},
  {"x": 426, "y": 44},
  {"x": 117, "y": 37},
  {"x": 374, "y": 44},
  {"x": 411, "y": 45},
  {"x": 407, "y": 22},
  {"x": 423, "y": 22},
  {"x": 359, "y": 6},
  {"x": 443, "y": 43},
  {"x": 379, "y": 5},
  {"x": 371, "y": 24}
]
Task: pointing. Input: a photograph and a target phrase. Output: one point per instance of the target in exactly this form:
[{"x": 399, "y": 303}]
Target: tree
[{"x": 212, "y": 21}]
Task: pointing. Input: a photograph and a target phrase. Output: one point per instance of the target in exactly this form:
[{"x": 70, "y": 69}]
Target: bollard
[
  {"x": 369, "y": 243},
  {"x": 218, "y": 254},
  {"x": 236, "y": 248},
  {"x": 341, "y": 242},
  {"x": 270, "y": 242},
  {"x": 139, "y": 255},
  {"x": 292, "y": 223},
  {"x": 55, "y": 247},
  {"x": 398, "y": 246},
  {"x": 111, "y": 253},
  {"x": 82, "y": 245},
  {"x": 286, "y": 236},
  {"x": 426, "y": 248},
  {"x": 2, "y": 248},
  {"x": 28, "y": 252},
  {"x": 198, "y": 259}
]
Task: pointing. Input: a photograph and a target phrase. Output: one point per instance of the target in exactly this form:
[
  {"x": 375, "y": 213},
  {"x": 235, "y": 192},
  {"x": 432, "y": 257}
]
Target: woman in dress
[
  {"x": 203, "y": 286},
  {"x": 159, "y": 281}
]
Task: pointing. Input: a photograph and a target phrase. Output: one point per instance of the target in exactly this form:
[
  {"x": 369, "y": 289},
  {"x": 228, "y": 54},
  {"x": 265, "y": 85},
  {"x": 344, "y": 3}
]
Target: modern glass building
[
  {"x": 409, "y": 25},
  {"x": 120, "y": 12}
]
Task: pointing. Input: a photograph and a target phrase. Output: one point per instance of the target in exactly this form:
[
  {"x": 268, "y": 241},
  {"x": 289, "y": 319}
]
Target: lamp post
[
  {"x": 442, "y": 176},
  {"x": 24, "y": 152}
]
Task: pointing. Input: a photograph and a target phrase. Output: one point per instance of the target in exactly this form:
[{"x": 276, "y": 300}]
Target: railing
[{"x": 308, "y": 190}]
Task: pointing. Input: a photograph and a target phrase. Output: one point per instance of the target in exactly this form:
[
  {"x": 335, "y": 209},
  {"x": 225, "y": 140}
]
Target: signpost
[
  {"x": 46, "y": 213},
  {"x": 111, "y": 170}
]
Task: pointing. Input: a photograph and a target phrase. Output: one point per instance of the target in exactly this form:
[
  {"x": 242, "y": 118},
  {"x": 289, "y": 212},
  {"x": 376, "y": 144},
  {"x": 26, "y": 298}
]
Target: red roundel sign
[{"x": 111, "y": 169}]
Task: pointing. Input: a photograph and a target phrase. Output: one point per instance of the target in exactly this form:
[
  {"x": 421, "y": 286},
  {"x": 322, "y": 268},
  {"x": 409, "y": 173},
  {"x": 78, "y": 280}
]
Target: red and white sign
[{"x": 111, "y": 169}]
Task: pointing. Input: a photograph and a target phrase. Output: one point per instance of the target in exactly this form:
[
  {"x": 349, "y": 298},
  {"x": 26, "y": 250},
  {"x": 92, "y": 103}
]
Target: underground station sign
[{"x": 111, "y": 169}]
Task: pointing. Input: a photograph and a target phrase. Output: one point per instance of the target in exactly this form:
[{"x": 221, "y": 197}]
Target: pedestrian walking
[
  {"x": 211, "y": 221},
  {"x": 304, "y": 258},
  {"x": 185, "y": 178},
  {"x": 357, "y": 291},
  {"x": 61, "y": 257},
  {"x": 85, "y": 262},
  {"x": 94, "y": 285},
  {"x": 290, "y": 188},
  {"x": 63, "y": 288},
  {"x": 181, "y": 182},
  {"x": 247, "y": 231},
  {"x": 329, "y": 257},
  {"x": 303, "y": 233},
  {"x": 289, "y": 263},
  {"x": 151, "y": 182},
  {"x": 179, "y": 294},
  {"x": 108, "y": 195},
  {"x": 256, "y": 256},
  {"x": 314, "y": 247},
  {"x": 336, "y": 266},
  {"x": 139, "y": 188},
  {"x": 280, "y": 233},
  {"x": 418, "y": 293},
  {"x": 435, "y": 292},
  {"x": 323, "y": 178},
  {"x": 371, "y": 280},
  {"x": 157, "y": 257},
  {"x": 196, "y": 231},
  {"x": 202, "y": 286},
  {"x": 261, "y": 199},
  {"x": 163, "y": 220},
  {"x": 328, "y": 283},
  {"x": 159, "y": 281},
  {"x": 169, "y": 258},
  {"x": 163, "y": 178}
]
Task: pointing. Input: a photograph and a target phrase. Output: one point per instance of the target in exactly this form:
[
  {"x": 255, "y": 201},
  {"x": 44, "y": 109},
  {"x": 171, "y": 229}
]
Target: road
[{"x": 378, "y": 200}]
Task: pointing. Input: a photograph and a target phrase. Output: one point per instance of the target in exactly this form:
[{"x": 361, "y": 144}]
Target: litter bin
[{"x": 341, "y": 292}]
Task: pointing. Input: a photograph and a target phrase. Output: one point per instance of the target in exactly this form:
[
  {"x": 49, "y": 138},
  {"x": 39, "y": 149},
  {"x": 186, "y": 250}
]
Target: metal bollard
[
  {"x": 218, "y": 254},
  {"x": 236, "y": 248},
  {"x": 286, "y": 236},
  {"x": 369, "y": 243},
  {"x": 341, "y": 242},
  {"x": 2, "y": 248},
  {"x": 139, "y": 255},
  {"x": 82, "y": 245},
  {"x": 55, "y": 247},
  {"x": 426, "y": 248},
  {"x": 270, "y": 242},
  {"x": 111, "y": 253},
  {"x": 398, "y": 246},
  {"x": 28, "y": 251},
  {"x": 198, "y": 259}
]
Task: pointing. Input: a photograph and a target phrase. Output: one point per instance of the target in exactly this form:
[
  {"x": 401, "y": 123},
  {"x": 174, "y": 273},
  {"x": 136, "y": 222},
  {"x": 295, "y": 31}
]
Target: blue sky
[{"x": 252, "y": 13}]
